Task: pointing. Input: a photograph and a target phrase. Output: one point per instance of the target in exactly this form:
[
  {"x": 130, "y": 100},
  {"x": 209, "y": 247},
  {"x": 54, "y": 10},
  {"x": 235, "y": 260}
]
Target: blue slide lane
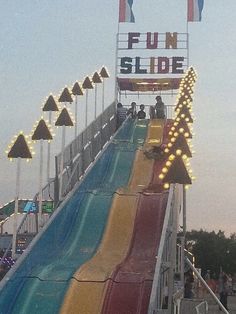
[{"x": 74, "y": 234}]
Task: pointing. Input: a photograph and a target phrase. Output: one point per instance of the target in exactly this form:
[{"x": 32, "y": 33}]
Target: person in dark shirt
[
  {"x": 160, "y": 108},
  {"x": 141, "y": 114},
  {"x": 132, "y": 110},
  {"x": 121, "y": 113}
]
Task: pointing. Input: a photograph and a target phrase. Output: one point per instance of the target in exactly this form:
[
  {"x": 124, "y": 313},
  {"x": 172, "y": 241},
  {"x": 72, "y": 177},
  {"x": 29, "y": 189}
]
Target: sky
[{"x": 46, "y": 45}]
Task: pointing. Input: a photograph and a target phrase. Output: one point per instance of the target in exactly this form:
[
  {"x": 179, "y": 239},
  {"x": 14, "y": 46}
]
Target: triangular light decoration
[
  {"x": 65, "y": 96},
  {"x": 50, "y": 104},
  {"x": 177, "y": 172},
  {"x": 64, "y": 119},
  {"x": 87, "y": 84},
  {"x": 104, "y": 73},
  {"x": 77, "y": 90},
  {"x": 20, "y": 148},
  {"x": 42, "y": 132},
  {"x": 96, "y": 78}
]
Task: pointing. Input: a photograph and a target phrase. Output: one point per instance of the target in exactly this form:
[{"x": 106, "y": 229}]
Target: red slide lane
[{"x": 130, "y": 286}]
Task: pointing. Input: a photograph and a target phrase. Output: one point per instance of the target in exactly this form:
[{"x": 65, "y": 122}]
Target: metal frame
[{"x": 166, "y": 257}]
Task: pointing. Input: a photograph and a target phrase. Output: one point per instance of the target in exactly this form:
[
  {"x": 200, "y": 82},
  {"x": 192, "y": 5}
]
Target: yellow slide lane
[
  {"x": 141, "y": 173},
  {"x": 155, "y": 132},
  {"x": 143, "y": 166},
  {"x": 87, "y": 297}
]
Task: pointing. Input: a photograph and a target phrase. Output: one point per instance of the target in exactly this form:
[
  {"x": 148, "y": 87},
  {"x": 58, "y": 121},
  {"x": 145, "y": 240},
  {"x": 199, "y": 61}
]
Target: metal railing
[
  {"x": 82, "y": 151},
  {"x": 206, "y": 286},
  {"x": 163, "y": 281},
  {"x": 202, "y": 308},
  {"x": 169, "y": 110}
]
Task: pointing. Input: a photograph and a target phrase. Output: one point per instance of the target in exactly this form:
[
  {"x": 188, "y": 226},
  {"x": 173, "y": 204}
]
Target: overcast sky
[{"x": 46, "y": 45}]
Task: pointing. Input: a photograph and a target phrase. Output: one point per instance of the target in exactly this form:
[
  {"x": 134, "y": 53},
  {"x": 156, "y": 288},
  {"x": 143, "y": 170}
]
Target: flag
[
  {"x": 126, "y": 13},
  {"x": 195, "y": 10}
]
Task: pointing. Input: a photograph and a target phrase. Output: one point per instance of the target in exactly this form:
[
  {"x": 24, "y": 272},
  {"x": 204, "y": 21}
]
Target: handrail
[
  {"x": 206, "y": 286},
  {"x": 156, "y": 279}
]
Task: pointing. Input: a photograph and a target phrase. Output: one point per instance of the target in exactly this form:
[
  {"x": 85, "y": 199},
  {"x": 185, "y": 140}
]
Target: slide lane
[
  {"x": 129, "y": 289},
  {"x": 90, "y": 283},
  {"x": 72, "y": 237},
  {"x": 87, "y": 288},
  {"x": 155, "y": 132}
]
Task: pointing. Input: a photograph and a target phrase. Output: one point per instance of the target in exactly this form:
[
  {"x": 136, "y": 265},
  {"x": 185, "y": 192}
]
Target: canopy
[{"x": 146, "y": 85}]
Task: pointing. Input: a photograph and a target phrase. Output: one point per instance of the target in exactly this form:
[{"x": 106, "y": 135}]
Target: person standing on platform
[
  {"x": 141, "y": 113},
  {"x": 121, "y": 114},
  {"x": 160, "y": 108},
  {"x": 132, "y": 110},
  {"x": 223, "y": 289}
]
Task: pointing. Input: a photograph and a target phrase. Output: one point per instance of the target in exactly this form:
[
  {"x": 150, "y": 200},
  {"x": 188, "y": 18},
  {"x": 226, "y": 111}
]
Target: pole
[
  {"x": 116, "y": 66},
  {"x": 183, "y": 238},
  {"x": 206, "y": 286},
  {"x": 16, "y": 208},
  {"x": 86, "y": 112},
  {"x": 187, "y": 38},
  {"x": 40, "y": 222},
  {"x": 117, "y": 54},
  {"x": 172, "y": 253},
  {"x": 95, "y": 112},
  {"x": 62, "y": 159},
  {"x": 103, "y": 94},
  {"x": 49, "y": 151},
  {"x": 76, "y": 114}
]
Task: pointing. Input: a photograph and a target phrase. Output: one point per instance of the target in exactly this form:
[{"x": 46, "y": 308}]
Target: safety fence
[
  {"x": 81, "y": 152},
  {"x": 169, "y": 111}
]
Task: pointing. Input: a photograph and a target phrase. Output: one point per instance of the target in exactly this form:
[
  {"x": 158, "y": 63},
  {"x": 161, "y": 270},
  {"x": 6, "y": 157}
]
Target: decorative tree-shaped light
[
  {"x": 63, "y": 120},
  {"x": 104, "y": 74},
  {"x": 179, "y": 142},
  {"x": 41, "y": 133},
  {"x": 50, "y": 106},
  {"x": 19, "y": 149},
  {"x": 65, "y": 96},
  {"x": 96, "y": 80},
  {"x": 181, "y": 126},
  {"x": 184, "y": 113},
  {"x": 77, "y": 91},
  {"x": 175, "y": 170},
  {"x": 87, "y": 84}
]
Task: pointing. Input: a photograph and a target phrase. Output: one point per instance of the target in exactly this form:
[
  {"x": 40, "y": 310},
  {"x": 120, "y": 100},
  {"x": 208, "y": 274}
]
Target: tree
[{"x": 213, "y": 251}]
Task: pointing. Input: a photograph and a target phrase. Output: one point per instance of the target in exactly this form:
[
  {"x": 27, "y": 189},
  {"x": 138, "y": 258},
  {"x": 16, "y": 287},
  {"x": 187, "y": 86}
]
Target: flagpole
[
  {"x": 187, "y": 38},
  {"x": 116, "y": 63}
]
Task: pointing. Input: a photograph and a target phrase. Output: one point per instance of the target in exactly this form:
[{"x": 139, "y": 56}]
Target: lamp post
[
  {"x": 41, "y": 133},
  {"x": 50, "y": 106},
  {"x": 87, "y": 84},
  {"x": 63, "y": 120},
  {"x": 77, "y": 91},
  {"x": 96, "y": 80},
  {"x": 104, "y": 74},
  {"x": 19, "y": 149}
]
